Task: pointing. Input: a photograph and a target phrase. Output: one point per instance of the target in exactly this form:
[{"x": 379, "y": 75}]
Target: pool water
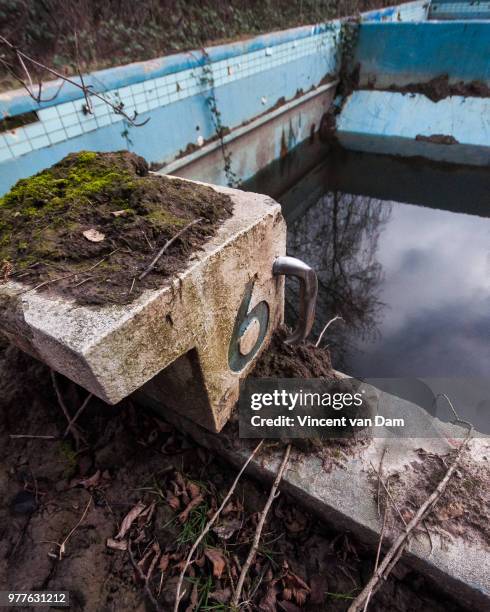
[{"x": 411, "y": 281}]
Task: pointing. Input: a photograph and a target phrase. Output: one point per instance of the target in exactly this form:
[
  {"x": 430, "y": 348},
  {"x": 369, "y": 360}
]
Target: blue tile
[
  {"x": 57, "y": 136},
  {"x": 47, "y": 114},
  {"x": 5, "y": 154},
  {"x": 40, "y": 142},
  {"x": 15, "y": 137},
  {"x": 34, "y": 130},
  {"x": 74, "y": 130},
  {"x": 21, "y": 149},
  {"x": 70, "y": 120}
]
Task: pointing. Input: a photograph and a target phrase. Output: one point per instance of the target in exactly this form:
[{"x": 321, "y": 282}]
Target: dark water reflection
[{"x": 411, "y": 282}]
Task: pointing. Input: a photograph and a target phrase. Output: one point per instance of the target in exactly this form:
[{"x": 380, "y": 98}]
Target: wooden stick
[
  {"x": 165, "y": 247},
  {"x": 62, "y": 546},
  {"x": 397, "y": 548},
  {"x": 260, "y": 526},
  {"x": 210, "y": 523}
]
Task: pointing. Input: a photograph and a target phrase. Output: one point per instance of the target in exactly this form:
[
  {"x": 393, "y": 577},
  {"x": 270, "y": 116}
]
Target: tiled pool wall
[{"x": 249, "y": 79}]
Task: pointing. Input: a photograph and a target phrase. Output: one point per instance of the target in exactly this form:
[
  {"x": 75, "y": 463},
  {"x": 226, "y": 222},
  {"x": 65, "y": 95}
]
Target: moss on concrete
[{"x": 43, "y": 220}]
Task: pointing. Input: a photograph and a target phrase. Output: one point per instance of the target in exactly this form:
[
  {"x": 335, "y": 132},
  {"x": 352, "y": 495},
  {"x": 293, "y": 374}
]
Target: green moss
[
  {"x": 79, "y": 178},
  {"x": 70, "y": 456},
  {"x": 163, "y": 218}
]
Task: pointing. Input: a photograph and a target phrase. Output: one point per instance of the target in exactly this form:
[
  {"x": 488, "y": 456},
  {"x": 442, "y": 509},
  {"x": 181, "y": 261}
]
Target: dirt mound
[
  {"x": 464, "y": 508},
  {"x": 440, "y": 88},
  {"x": 90, "y": 225},
  {"x": 283, "y": 361}
]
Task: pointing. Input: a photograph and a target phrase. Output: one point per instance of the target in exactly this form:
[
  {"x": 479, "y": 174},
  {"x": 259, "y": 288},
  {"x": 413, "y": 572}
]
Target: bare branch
[
  {"x": 260, "y": 526},
  {"x": 336, "y": 318},
  {"x": 86, "y": 89}
]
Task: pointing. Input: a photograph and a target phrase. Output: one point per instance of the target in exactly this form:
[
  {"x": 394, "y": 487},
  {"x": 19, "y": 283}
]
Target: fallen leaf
[
  {"x": 193, "y": 489},
  {"x": 194, "y": 599},
  {"x": 148, "y": 512},
  {"x": 183, "y": 516},
  {"x": 94, "y": 235},
  {"x": 120, "y": 213},
  {"x": 268, "y": 603},
  {"x": 116, "y": 545},
  {"x": 173, "y": 501},
  {"x": 227, "y": 528},
  {"x": 129, "y": 519},
  {"x": 221, "y": 596},
  {"x": 217, "y": 559},
  {"x": 164, "y": 561},
  {"x": 288, "y": 606},
  {"x": 93, "y": 481}
]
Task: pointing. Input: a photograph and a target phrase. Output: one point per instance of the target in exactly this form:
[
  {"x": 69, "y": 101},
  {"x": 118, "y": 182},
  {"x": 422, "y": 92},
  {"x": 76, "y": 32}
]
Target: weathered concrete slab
[
  {"x": 451, "y": 130},
  {"x": 346, "y": 495},
  {"x": 114, "y": 350}
]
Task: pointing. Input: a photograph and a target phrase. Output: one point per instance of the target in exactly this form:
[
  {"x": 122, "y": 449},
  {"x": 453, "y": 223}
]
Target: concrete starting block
[{"x": 186, "y": 344}]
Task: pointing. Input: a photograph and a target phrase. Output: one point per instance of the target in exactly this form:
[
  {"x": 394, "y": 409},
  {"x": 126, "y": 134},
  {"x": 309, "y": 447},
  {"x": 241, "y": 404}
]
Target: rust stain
[{"x": 284, "y": 145}]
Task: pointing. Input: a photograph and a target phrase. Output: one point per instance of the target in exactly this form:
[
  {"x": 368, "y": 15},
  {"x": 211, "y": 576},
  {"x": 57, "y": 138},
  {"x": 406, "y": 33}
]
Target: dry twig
[
  {"x": 143, "y": 578},
  {"x": 71, "y": 427},
  {"x": 165, "y": 247},
  {"x": 17, "y": 436},
  {"x": 208, "y": 526},
  {"x": 253, "y": 550},
  {"x": 336, "y": 318},
  {"x": 72, "y": 421}
]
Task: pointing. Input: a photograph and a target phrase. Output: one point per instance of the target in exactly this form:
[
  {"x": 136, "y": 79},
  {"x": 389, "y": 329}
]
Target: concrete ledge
[
  {"x": 451, "y": 130},
  {"x": 345, "y": 497}
]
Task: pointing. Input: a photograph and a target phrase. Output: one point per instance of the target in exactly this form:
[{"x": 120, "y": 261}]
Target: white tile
[
  {"x": 70, "y": 120},
  {"x": 88, "y": 125},
  {"x": 53, "y": 124}
]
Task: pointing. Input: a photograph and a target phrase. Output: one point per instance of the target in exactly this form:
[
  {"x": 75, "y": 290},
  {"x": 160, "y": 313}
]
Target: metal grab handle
[{"x": 307, "y": 294}]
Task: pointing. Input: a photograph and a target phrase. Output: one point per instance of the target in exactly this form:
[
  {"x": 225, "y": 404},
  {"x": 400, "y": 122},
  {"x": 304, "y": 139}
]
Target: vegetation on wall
[{"x": 120, "y": 31}]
